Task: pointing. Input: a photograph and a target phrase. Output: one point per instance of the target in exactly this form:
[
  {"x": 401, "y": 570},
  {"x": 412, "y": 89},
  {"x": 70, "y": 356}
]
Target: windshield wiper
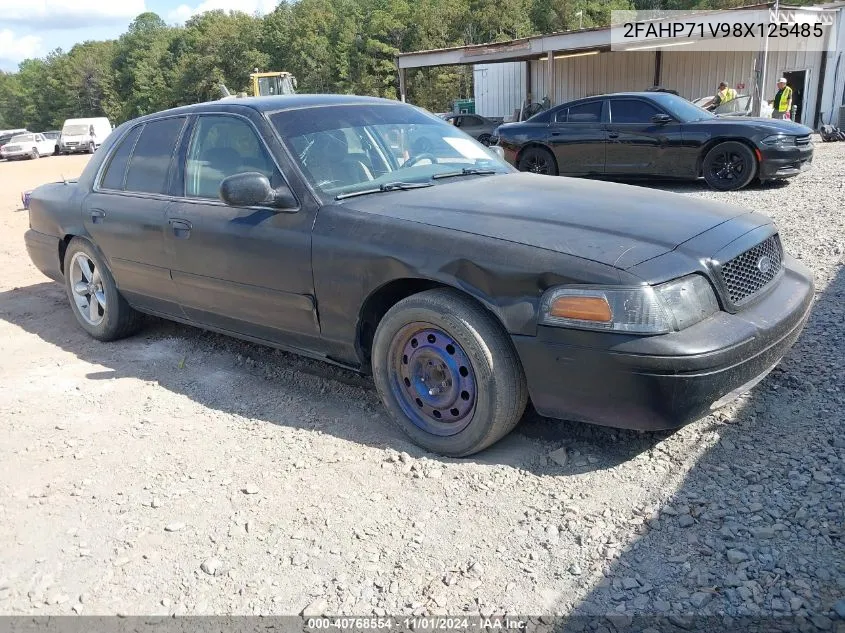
[
  {"x": 388, "y": 186},
  {"x": 466, "y": 171}
]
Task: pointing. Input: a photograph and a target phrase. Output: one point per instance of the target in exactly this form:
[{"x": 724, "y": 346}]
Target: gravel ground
[{"x": 181, "y": 472}]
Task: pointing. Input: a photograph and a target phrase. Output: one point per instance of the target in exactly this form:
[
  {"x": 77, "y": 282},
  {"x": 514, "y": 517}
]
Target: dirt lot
[{"x": 184, "y": 472}]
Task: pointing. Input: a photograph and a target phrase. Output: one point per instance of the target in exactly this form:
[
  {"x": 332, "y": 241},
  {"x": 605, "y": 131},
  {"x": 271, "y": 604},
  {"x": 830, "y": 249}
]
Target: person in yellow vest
[
  {"x": 782, "y": 103},
  {"x": 724, "y": 94}
]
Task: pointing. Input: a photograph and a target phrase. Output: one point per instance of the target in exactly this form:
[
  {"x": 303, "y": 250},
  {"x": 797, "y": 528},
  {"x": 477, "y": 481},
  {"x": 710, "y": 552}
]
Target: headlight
[
  {"x": 779, "y": 140},
  {"x": 669, "y": 307}
]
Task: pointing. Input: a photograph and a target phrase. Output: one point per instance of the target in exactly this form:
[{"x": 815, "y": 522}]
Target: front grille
[
  {"x": 748, "y": 273},
  {"x": 802, "y": 140}
]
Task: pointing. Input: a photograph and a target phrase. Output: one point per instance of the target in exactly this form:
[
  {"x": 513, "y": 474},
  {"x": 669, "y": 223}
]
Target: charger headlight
[{"x": 668, "y": 307}]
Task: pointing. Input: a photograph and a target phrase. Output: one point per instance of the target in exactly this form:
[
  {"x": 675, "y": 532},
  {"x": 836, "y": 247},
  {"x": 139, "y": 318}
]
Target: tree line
[{"x": 335, "y": 46}]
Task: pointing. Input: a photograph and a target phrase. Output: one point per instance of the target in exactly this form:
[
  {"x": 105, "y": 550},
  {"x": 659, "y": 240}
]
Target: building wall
[
  {"x": 588, "y": 75},
  {"x": 833, "y": 98},
  {"x": 499, "y": 89}
]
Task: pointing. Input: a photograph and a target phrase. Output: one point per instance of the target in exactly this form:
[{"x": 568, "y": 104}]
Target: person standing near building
[
  {"x": 782, "y": 103},
  {"x": 723, "y": 95}
]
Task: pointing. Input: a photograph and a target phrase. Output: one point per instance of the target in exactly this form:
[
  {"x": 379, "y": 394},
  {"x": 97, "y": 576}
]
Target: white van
[{"x": 83, "y": 135}]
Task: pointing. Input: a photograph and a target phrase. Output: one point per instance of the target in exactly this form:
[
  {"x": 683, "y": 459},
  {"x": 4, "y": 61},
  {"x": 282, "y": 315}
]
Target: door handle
[
  {"x": 180, "y": 228},
  {"x": 97, "y": 215}
]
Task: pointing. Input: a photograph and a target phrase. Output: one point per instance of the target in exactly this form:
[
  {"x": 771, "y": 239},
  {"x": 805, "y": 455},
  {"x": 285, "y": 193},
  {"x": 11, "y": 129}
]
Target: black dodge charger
[
  {"x": 311, "y": 223},
  {"x": 648, "y": 134}
]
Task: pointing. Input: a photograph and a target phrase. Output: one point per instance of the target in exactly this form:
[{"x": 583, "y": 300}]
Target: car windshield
[
  {"x": 23, "y": 138},
  {"x": 354, "y": 148},
  {"x": 682, "y": 109},
  {"x": 75, "y": 130}
]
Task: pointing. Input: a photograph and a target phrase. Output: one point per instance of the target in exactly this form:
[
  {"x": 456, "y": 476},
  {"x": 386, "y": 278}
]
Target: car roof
[{"x": 277, "y": 103}]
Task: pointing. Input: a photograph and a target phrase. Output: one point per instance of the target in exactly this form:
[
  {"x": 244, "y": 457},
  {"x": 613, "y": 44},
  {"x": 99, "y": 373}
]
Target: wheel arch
[
  {"x": 727, "y": 139},
  {"x": 539, "y": 145},
  {"x": 384, "y": 297}
]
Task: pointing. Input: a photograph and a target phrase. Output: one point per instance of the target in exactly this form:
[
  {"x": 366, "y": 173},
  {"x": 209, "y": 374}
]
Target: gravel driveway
[{"x": 184, "y": 472}]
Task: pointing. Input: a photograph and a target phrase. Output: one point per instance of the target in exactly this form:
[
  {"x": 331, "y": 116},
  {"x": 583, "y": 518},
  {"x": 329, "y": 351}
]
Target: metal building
[{"x": 564, "y": 66}]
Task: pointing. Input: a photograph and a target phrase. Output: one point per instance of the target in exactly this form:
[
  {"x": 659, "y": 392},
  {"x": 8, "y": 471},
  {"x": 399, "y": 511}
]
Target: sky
[{"x": 32, "y": 28}]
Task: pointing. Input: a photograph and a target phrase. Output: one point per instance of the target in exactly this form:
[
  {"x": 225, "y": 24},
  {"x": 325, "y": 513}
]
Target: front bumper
[
  {"x": 663, "y": 382},
  {"x": 785, "y": 162}
]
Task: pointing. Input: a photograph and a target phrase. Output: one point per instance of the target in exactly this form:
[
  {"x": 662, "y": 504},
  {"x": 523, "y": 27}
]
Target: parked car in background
[
  {"x": 32, "y": 145},
  {"x": 84, "y": 135},
  {"x": 54, "y": 136},
  {"x": 462, "y": 285},
  {"x": 6, "y": 135},
  {"x": 740, "y": 106},
  {"x": 478, "y": 127},
  {"x": 653, "y": 134}
]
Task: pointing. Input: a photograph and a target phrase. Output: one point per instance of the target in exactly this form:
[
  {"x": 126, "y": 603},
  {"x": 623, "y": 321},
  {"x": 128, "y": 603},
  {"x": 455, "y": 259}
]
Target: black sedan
[
  {"x": 309, "y": 223},
  {"x": 651, "y": 134}
]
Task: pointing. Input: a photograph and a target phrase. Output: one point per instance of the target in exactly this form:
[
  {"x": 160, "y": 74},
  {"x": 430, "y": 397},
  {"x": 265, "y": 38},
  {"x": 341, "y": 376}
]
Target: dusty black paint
[{"x": 317, "y": 279}]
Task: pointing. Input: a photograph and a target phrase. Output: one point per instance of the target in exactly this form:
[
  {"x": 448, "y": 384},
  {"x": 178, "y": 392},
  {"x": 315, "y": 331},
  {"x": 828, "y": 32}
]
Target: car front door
[
  {"x": 245, "y": 270},
  {"x": 578, "y": 137},
  {"x": 126, "y": 213},
  {"x": 638, "y": 145}
]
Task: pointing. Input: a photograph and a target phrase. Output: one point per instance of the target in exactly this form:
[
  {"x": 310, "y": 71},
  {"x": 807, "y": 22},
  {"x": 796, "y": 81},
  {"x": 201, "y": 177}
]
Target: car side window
[
  {"x": 223, "y": 146},
  {"x": 149, "y": 166},
  {"x": 589, "y": 112},
  {"x": 115, "y": 173},
  {"x": 631, "y": 111}
]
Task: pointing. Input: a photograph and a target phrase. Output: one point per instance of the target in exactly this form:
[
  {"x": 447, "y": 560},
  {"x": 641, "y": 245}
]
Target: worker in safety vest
[
  {"x": 723, "y": 95},
  {"x": 782, "y": 103}
]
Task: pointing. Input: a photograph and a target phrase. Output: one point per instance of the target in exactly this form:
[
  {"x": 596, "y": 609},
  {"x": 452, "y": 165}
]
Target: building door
[{"x": 797, "y": 79}]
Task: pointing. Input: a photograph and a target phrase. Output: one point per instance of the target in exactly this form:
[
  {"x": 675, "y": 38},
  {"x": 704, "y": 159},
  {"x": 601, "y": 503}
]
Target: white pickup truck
[{"x": 29, "y": 145}]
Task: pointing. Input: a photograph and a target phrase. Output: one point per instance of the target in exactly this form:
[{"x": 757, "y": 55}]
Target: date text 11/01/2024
[
  {"x": 415, "y": 624},
  {"x": 637, "y": 30}
]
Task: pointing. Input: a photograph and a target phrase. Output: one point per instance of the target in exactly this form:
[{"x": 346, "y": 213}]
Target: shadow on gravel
[
  {"x": 236, "y": 377},
  {"x": 753, "y": 539}
]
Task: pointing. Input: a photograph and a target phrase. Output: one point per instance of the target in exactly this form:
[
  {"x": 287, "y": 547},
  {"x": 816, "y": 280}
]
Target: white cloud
[
  {"x": 14, "y": 49},
  {"x": 69, "y": 13},
  {"x": 183, "y": 12}
]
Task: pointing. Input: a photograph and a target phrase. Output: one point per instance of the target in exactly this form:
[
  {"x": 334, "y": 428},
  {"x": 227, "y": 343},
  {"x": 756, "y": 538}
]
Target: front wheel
[
  {"x": 538, "y": 161},
  {"x": 34, "y": 154},
  {"x": 486, "y": 140},
  {"x": 447, "y": 373},
  {"x": 96, "y": 302},
  {"x": 729, "y": 166}
]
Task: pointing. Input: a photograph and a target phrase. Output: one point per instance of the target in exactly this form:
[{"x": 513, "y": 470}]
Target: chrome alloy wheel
[{"x": 87, "y": 286}]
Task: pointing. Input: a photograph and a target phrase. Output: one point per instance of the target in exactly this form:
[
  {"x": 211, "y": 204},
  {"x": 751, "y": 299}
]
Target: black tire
[
  {"x": 486, "y": 140},
  {"x": 499, "y": 382},
  {"x": 538, "y": 161},
  {"x": 34, "y": 155},
  {"x": 119, "y": 318},
  {"x": 729, "y": 166}
]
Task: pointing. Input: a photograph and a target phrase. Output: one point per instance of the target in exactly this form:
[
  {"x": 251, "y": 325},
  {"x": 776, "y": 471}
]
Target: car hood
[
  {"x": 614, "y": 224},
  {"x": 770, "y": 126}
]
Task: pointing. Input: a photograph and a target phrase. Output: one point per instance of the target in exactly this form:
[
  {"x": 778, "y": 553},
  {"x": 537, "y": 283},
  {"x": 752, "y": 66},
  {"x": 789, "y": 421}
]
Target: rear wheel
[
  {"x": 447, "y": 373},
  {"x": 538, "y": 161},
  {"x": 96, "y": 302},
  {"x": 729, "y": 166}
]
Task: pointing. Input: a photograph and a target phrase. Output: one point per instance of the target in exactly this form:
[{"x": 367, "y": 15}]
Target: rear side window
[
  {"x": 631, "y": 111},
  {"x": 150, "y": 163},
  {"x": 116, "y": 171},
  {"x": 582, "y": 113}
]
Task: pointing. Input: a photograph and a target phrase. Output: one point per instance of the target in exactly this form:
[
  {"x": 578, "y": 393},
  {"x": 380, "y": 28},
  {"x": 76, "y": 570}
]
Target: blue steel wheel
[
  {"x": 432, "y": 379},
  {"x": 447, "y": 372}
]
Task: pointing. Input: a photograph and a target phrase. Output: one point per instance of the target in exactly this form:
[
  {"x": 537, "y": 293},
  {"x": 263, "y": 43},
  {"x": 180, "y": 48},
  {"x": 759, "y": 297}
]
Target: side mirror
[
  {"x": 661, "y": 119},
  {"x": 252, "y": 189}
]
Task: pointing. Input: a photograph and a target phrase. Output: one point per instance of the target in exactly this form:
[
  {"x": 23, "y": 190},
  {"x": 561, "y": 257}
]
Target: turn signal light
[{"x": 582, "y": 309}]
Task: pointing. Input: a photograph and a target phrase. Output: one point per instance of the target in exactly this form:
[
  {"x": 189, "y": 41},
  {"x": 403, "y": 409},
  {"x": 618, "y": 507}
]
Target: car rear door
[
  {"x": 637, "y": 145},
  {"x": 246, "y": 270},
  {"x": 126, "y": 213},
  {"x": 578, "y": 137}
]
